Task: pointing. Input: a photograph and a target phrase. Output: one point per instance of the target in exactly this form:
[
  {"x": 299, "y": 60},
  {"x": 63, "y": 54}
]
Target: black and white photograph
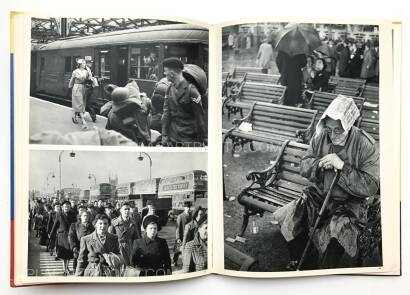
[
  {"x": 118, "y": 81},
  {"x": 117, "y": 214},
  {"x": 300, "y": 116}
]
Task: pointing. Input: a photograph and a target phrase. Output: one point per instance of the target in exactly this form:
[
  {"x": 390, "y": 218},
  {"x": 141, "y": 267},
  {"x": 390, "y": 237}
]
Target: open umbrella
[
  {"x": 297, "y": 39},
  {"x": 323, "y": 49}
]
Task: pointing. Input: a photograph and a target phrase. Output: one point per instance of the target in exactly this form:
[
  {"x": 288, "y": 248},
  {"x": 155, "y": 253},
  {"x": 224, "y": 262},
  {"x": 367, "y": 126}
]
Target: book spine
[{"x": 12, "y": 268}]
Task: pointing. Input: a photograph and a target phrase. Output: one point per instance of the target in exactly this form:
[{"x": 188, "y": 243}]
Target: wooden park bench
[
  {"x": 237, "y": 260},
  {"x": 371, "y": 93},
  {"x": 249, "y": 92},
  {"x": 282, "y": 183},
  {"x": 348, "y": 86},
  {"x": 271, "y": 123},
  {"x": 240, "y": 72},
  {"x": 321, "y": 100},
  {"x": 370, "y": 113},
  {"x": 275, "y": 186},
  {"x": 370, "y": 124},
  {"x": 262, "y": 78}
]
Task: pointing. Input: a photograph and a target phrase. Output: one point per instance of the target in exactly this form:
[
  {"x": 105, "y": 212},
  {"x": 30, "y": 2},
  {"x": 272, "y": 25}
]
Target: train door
[
  {"x": 103, "y": 70},
  {"x": 122, "y": 65},
  {"x": 33, "y": 77}
]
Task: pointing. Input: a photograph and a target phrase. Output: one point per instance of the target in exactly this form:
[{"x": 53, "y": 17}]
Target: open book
[{"x": 149, "y": 150}]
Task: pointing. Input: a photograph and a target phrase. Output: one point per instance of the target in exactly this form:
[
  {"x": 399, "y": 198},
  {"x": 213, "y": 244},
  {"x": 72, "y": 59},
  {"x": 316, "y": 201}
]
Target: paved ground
[
  {"x": 41, "y": 263},
  {"x": 48, "y": 116}
]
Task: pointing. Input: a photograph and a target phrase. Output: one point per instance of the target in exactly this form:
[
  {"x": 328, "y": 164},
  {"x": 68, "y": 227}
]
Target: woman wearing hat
[
  {"x": 77, "y": 83},
  {"x": 195, "y": 255},
  {"x": 61, "y": 228},
  {"x": 151, "y": 253}
]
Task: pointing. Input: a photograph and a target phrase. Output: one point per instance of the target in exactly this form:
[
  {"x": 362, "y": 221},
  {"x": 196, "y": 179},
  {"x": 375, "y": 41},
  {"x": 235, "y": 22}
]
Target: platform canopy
[{"x": 45, "y": 30}]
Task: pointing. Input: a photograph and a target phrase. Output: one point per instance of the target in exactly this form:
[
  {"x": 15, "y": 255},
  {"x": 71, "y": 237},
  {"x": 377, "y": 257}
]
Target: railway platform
[{"x": 48, "y": 116}]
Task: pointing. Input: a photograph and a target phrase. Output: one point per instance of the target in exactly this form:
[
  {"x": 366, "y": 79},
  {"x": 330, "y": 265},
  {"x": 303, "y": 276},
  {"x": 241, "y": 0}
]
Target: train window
[
  {"x": 67, "y": 64},
  {"x": 144, "y": 62},
  {"x": 105, "y": 64},
  {"x": 186, "y": 53}
]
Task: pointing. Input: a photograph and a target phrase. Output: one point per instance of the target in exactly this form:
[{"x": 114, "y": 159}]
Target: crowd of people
[
  {"x": 302, "y": 73},
  {"x": 175, "y": 114},
  {"x": 104, "y": 239}
]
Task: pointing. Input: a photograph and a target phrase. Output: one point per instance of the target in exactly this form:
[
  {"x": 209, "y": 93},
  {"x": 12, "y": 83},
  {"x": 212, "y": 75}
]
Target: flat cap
[{"x": 173, "y": 63}]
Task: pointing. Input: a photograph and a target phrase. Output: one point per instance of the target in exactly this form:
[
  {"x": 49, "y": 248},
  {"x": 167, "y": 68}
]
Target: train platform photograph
[
  {"x": 117, "y": 214},
  {"x": 300, "y": 133},
  {"x": 118, "y": 81}
]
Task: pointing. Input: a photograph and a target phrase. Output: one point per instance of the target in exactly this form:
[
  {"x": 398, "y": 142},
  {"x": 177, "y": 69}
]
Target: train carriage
[{"x": 117, "y": 56}]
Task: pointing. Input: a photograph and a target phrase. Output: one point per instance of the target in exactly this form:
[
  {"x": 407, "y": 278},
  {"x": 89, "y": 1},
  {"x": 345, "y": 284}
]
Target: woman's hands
[{"x": 331, "y": 161}]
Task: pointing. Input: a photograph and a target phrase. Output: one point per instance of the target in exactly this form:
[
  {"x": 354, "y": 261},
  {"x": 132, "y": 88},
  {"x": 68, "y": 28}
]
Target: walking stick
[{"x": 324, "y": 205}]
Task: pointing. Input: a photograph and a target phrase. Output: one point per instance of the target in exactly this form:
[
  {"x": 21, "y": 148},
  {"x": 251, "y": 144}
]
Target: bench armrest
[
  {"x": 248, "y": 117},
  {"x": 265, "y": 177}
]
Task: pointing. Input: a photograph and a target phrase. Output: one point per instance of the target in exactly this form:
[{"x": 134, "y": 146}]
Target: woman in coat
[
  {"x": 61, "y": 227},
  {"x": 78, "y": 230},
  {"x": 98, "y": 251},
  {"x": 195, "y": 257},
  {"x": 77, "y": 83},
  {"x": 151, "y": 253},
  {"x": 369, "y": 60},
  {"x": 192, "y": 226}
]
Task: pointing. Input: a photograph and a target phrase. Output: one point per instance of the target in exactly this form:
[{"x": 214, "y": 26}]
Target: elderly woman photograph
[
  {"x": 195, "y": 255},
  {"x": 151, "y": 253},
  {"x": 77, "y": 83},
  {"x": 99, "y": 251},
  {"x": 336, "y": 145},
  {"x": 78, "y": 230}
]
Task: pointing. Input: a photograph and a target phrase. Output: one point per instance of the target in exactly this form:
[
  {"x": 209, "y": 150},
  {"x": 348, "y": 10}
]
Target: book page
[
  {"x": 111, "y": 154},
  {"x": 301, "y": 100}
]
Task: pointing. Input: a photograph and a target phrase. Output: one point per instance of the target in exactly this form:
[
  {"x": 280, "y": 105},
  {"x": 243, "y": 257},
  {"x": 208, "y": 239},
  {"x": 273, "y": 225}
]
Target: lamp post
[
  {"x": 141, "y": 158},
  {"x": 72, "y": 155}
]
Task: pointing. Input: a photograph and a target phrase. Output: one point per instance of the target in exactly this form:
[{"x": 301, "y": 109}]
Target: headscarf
[{"x": 342, "y": 108}]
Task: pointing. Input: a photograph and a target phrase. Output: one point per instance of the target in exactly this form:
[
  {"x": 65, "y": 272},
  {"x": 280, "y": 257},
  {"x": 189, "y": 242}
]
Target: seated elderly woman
[
  {"x": 336, "y": 145},
  {"x": 151, "y": 253},
  {"x": 99, "y": 251}
]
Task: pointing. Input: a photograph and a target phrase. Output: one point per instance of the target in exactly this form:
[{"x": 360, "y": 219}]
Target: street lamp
[
  {"x": 141, "y": 158},
  {"x": 90, "y": 175},
  {"x": 72, "y": 155}
]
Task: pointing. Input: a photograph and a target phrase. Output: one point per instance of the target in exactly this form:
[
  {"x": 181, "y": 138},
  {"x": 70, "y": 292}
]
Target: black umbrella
[{"x": 297, "y": 39}]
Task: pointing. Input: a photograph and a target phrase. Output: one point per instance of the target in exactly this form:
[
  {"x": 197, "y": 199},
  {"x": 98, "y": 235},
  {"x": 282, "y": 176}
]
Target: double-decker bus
[{"x": 189, "y": 186}]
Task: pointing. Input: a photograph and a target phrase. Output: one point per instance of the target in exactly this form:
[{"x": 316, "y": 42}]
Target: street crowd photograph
[
  {"x": 300, "y": 136},
  {"x": 117, "y": 214},
  {"x": 118, "y": 81}
]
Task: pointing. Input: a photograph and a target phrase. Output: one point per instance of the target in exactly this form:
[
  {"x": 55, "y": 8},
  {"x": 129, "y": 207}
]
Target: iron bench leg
[{"x": 245, "y": 221}]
